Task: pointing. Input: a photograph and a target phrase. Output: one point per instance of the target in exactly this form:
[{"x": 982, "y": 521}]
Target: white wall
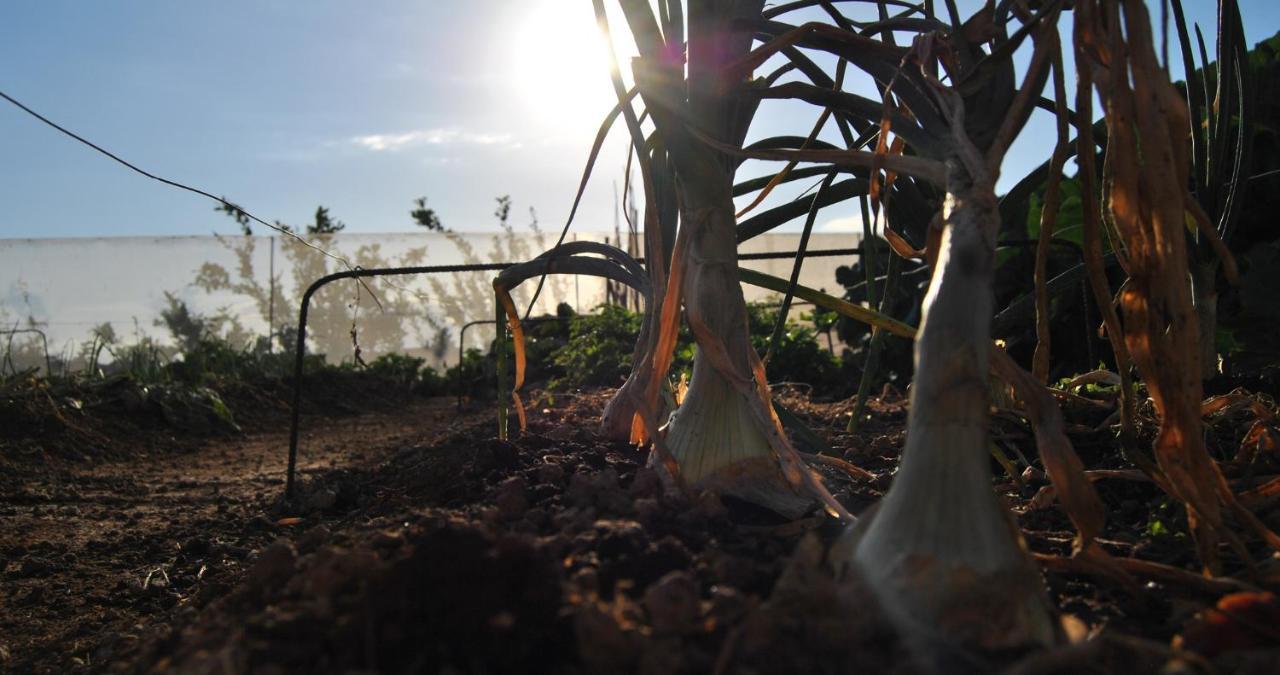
[{"x": 68, "y": 286}]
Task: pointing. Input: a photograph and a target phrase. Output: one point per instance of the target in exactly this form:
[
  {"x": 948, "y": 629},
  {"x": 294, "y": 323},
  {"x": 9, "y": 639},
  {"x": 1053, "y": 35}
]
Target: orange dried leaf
[
  {"x": 1238, "y": 621},
  {"x": 517, "y": 339},
  {"x": 900, "y": 245},
  {"x": 1261, "y": 495},
  {"x": 1070, "y": 484}
]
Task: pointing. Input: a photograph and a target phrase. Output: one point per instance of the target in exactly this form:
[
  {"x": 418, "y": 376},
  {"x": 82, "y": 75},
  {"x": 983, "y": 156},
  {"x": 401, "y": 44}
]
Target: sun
[{"x": 560, "y": 65}]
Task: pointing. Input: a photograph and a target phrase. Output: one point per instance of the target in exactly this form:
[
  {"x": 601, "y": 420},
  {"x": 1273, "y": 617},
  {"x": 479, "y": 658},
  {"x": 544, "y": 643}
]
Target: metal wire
[{"x": 173, "y": 183}]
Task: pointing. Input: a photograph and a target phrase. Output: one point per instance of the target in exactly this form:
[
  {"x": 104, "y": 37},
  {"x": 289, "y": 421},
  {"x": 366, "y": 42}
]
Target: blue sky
[{"x": 360, "y": 107}]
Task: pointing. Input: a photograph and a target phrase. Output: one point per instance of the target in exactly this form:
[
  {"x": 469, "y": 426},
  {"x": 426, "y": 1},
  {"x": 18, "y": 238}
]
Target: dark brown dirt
[
  {"x": 421, "y": 543},
  {"x": 98, "y": 557}
]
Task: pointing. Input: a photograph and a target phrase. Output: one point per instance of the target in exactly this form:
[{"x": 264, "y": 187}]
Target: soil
[{"x": 419, "y": 542}]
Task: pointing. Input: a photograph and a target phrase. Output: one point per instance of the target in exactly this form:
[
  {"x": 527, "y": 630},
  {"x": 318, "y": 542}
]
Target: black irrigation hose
[
  {"x": 450, "y": 269},
  {"x": 302, "y": 336}
]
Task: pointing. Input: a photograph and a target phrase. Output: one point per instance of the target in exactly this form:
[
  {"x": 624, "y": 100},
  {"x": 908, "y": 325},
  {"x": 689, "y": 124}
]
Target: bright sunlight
[{"x": 560, "y": 64}]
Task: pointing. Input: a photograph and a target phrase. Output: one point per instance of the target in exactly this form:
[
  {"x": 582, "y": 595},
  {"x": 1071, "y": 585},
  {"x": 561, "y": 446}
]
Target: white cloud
[{"x": 408, "y": 139}]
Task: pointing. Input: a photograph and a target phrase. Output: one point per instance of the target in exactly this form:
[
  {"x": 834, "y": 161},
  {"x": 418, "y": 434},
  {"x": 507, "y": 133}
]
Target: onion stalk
[
  {"x": 941, "y": 552},
  {"x": 725, "y": 437},
  {"x": 716, "y": 441}
]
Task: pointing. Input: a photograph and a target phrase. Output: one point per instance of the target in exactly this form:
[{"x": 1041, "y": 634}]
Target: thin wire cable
[
  {"x": 236, "y": 207},
  {"x": 289, "y": 233},
  {"x": 173, "y": 183}
]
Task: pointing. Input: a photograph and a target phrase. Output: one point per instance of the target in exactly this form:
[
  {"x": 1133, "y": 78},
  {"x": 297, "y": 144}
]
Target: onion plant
[
  {"x": 1146, "y": 177},
  {"x": 725, "y": 436},
  {"x": 940, "y": 547},
  {"x": 940, "y": 551},
  {"x": 1219, "y": 160}
]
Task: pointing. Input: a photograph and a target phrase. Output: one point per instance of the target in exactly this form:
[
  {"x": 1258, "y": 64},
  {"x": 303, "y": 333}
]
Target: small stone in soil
[
  {"x": 510, "y": 498},
  {"x": 672, "y": 603},
  {"x": 274, "y": 564}
]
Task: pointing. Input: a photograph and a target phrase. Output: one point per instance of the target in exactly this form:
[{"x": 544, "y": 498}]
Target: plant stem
[
  {"x": 941, "y": 542},
  {"x": 872, "y": 363},
  {"x": 500, "y": 363}
]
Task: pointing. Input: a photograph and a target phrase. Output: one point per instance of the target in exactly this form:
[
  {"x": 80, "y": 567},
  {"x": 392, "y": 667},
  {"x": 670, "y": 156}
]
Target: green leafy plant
[
  {"x": 399, "y": 368},
  {"x": 598, "y": 350},
  {"x": 324, "y": 223},
  {"x": 796, "y": 355},
  {"x": 473, "y": 376}
]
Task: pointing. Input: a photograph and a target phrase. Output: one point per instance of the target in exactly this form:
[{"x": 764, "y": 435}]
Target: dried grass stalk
[{"x": 1146, "y": 179}]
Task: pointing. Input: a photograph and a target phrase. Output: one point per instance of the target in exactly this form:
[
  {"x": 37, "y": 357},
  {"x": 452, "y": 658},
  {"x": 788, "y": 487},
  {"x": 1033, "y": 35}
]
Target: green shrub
[
  {"x": 144, "y": 361},
  {"x": 474, "y": 376},
  {"x": 798, "y": 356},
  {"x": 599, "y": 349},
  {"x": 400, "y": 368},
  {"x": 212, "y": 359},
  {"x": 545, "y": 338}
]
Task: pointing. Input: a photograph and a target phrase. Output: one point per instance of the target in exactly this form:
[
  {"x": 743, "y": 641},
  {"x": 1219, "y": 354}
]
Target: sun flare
[{"x": 560, "y": 65}]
